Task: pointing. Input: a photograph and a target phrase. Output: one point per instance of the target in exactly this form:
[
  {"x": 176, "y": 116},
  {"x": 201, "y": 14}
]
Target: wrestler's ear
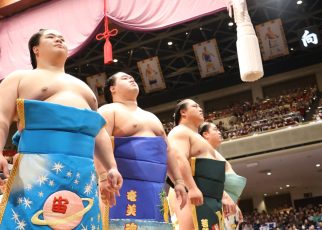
[
  {"x": 35, "y": 49},
  {"x": 205, "y": 135},
  {"x": 183, "y": 112},
  {"x": 112, "y": 89}
]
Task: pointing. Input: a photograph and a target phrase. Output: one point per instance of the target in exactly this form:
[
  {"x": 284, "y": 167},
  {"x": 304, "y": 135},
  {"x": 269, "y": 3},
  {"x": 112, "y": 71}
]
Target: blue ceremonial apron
[
  {"x": 234, "y": 186},
  {"x": 142, "y": 162},
  {"x": 53, "y": 182}
]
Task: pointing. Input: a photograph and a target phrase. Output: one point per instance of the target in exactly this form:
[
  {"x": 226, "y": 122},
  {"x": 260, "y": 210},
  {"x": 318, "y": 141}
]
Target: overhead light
[
  {"x": 252, "y": 165},
  {"x": 292, "y": 49},
  {"x": 200, "y": 28},
  {"x": 281, "y": 188},
  {"x": 269, "y": 173},
  {"x": 187, "y": 33},
  {"x": 230, "y": 23},
  {"x": 115, "y": 60},
  {"x": 276, "y": 193},
  {"x": 317, "y": 165},
  {"x": 299, "y": 2},
  {"x": 170, "y": 43},
  {"x": 287, "y": 185},
  {"x": 265, "y": 194}
]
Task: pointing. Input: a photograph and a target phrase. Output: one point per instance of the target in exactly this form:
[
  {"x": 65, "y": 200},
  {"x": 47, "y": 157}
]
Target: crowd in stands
[
  {"x": 309, "y": 217},
  {"x": 318, "y": 113},
  {"x": 246, "y": 118}
]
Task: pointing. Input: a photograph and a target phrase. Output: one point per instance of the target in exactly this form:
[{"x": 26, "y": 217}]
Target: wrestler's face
[
  {"x": 125, "y": 84},
  {"x": 213, "y": 136},
  {"x": 194, "y": 112},
  {"x": 50, "y": 42}
]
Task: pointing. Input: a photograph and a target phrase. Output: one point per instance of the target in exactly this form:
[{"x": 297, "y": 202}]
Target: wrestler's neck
[
  {"x": 54, "y": 66},
  {"x": 129, "y": 103},
  {"x": 191, "y": 125}
]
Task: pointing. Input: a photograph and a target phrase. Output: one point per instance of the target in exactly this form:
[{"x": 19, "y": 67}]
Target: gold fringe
[
  {"x": 165, "y": 210},
  {"x": 9, "y": 183},
  {"x": 220, "y": 216},
  {"x": 194, "y": 217},
  {"x": 106, "y": 208},
  {"x": 105, "y": 217},
  {"x": 193, "y": 165},
  {"x": 21, "y": 113}
]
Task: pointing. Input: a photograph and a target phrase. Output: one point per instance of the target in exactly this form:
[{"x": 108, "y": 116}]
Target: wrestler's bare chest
[
  {"x": 199, "y": 147},
  {"x": 46, "y": 87},
  {"x": 136, "y": 123}
]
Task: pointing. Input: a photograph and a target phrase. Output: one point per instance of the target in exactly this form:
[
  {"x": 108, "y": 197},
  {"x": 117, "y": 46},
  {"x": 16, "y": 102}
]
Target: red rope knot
[
  {"x": 106, "y": 34},
  {"x": 108, "y": 55}
]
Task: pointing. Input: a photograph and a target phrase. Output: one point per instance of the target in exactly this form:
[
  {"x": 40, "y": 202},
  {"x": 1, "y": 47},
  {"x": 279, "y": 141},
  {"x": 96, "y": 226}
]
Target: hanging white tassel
[{"x": 249, "y": 57}]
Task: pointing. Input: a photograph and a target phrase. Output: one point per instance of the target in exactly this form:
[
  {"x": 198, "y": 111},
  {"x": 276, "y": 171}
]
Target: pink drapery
[
  {"x": 158, "y": 14},
  {"x": 77, "y": 20}
]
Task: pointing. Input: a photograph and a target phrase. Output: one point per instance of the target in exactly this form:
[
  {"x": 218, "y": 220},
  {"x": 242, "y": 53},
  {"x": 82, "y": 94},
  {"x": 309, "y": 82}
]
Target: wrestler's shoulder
[
  {"x": 147, "y": 113},
  {"x": 17, "y": 75},
  {"x": 179, "y": 130},
  {"x": 111, "y": 107}
]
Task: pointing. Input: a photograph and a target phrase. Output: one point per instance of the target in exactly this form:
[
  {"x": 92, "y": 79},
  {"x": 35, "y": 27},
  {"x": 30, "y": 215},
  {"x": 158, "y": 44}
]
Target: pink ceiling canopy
[{"x": 78, "y": 21}]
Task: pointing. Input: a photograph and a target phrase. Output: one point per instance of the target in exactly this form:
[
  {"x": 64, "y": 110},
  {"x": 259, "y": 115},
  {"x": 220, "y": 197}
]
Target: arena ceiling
[{"x": 178, "y": 62}]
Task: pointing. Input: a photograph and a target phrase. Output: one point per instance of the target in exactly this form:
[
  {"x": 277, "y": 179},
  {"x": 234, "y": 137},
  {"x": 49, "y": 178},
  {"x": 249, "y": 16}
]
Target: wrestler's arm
[
  {"x": 173, "y": 170},
  {"x": 107, "y": 113},
  {"x": 181, "y": 145},
  {"x": 8, "y": 96},
  {"x": 228, "y": 166},
  {"x": 229, "y": 205},
  {"x": 107, "y": 194},
  {"x": 104, "y": 152}
]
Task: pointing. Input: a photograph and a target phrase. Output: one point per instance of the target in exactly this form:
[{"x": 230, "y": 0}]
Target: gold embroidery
[
  {"x": 204, "y": 224},
  {"x": 131, "y": 210},
  {"x": 131, "y": 195},
  {"x": 35, "y": 218},
  {"x": 131, "y": 226},
  {"x": 9, "y": 183},
  {"x": 21, "y": 113}
]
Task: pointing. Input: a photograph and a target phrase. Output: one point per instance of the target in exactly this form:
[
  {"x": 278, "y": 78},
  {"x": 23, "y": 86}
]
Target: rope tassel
[{"x": 108, "y": 54}]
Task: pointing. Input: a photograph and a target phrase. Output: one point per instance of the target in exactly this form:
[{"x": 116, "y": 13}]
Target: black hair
[
  {"x": 177, "y": 111},
  {"x": 204, "y": 127},
  {"x": 107, "y": 92},
  {"x": 34, "y": 41}
]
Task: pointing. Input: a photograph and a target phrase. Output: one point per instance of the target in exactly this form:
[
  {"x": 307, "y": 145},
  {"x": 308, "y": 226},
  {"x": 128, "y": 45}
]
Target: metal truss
[{"x": 178, "y": 62}]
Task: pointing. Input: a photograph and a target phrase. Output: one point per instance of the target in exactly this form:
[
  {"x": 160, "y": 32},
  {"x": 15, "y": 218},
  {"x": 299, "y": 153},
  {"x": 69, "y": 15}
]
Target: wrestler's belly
[
  {"x": 128, "y": 131},
  {"x": 69, "y": 98}
]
